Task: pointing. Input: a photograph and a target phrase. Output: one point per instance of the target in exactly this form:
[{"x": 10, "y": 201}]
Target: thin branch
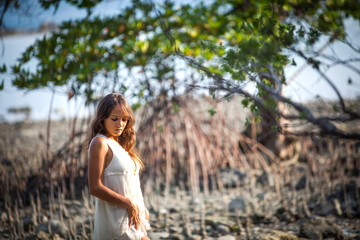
[
  {"x": 308, "y": 133},
  {"x": 345, "y": 63},
  {"x": 6, "y": 6},
  {"x": 48, "y": 136},
  {"x": 271, "y": 75},
  {"x": 317, "y": 53},
  {"x": 147, "y": 82},
  {"x": 326, "y": 119},
  {"x": 324, "y": 76},
  {"x": 341, "y": 100},
  {"x": 351, "y": 46}
]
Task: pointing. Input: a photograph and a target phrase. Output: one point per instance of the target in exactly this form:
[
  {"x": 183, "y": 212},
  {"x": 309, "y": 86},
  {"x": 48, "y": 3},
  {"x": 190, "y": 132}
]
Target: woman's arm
[{"x": 97, "y": 158}]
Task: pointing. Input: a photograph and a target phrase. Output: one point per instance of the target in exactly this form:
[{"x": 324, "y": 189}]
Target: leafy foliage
[
  {"x": 241, "y": 41},
  {"x": 120, "y": 53}
]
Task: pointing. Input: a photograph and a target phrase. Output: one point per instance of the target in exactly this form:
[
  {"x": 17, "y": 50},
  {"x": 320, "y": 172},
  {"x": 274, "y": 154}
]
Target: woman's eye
[
  {"x": 114, "y": 119},
  {"x": 124, "y": 119}
]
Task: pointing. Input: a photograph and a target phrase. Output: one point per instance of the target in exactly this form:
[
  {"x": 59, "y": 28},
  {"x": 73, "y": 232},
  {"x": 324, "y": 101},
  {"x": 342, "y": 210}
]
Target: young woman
[{"x": 113, "y": 172}]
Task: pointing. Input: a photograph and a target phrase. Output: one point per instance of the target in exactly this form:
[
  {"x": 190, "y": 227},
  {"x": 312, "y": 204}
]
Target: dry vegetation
[{"x": 205, "y": 178}]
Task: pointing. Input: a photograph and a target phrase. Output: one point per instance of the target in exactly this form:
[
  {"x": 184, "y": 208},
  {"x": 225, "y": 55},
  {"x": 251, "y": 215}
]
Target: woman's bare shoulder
[{"x": 98, "y": 143}]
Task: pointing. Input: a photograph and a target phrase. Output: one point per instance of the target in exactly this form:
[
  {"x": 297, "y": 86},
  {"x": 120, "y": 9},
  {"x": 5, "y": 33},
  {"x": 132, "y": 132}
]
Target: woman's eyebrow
[{"x": 123, "y": 116}]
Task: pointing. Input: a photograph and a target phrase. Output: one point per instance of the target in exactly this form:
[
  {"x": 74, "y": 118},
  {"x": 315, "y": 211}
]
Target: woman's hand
[
  {"x": 147, "y": 215},
  {"x": 133, "y": 214}
]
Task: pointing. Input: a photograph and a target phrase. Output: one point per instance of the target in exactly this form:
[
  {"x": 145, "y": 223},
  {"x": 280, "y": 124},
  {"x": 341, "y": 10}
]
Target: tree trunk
[{"x": 285, "y": 147}]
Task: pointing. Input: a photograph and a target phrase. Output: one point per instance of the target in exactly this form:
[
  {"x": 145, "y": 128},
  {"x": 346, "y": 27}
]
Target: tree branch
[
  {"x": 325, "y": 125},
  {"x": 6, "y": 6},
  {"x": 351, "y": 45},
  {"x": 345, "y": 63},
  {"x": 341, "y": 100},
  {"x": 308, "y": 133}
]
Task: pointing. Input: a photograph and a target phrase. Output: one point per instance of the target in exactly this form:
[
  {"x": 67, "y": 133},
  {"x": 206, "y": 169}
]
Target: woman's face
[{"x": 115, "y": 123}]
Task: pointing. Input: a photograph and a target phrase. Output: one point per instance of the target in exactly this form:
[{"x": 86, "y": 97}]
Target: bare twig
[
  {"x": 48, "y": 137},
  {"x": 332, "y": 85}
]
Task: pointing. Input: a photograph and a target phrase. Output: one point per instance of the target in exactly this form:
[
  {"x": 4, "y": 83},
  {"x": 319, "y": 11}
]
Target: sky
[{"x": 305, "y": 87}]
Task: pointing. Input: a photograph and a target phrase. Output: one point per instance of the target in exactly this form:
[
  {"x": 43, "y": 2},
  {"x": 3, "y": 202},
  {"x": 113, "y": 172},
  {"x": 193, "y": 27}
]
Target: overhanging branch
[{"x": 324, "y": 124}]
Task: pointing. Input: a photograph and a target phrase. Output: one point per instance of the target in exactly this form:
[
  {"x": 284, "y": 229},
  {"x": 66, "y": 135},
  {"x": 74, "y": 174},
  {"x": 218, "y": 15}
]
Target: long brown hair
[{"x": 127, "y": 139}]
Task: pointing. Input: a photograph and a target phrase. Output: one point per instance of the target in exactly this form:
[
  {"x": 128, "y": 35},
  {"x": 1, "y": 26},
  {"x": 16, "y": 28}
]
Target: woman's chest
[{"x": 121, "y": 162}]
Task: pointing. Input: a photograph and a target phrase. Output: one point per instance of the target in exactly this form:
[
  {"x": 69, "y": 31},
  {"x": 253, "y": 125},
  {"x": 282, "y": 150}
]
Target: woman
[{"x": 113, "y": 172}]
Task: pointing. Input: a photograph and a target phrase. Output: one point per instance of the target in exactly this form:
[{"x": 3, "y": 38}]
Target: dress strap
[
  {"x": 103, "y": 136},
  {"x": 96, "y": 136},
  {"x": 108, "y": 140}
]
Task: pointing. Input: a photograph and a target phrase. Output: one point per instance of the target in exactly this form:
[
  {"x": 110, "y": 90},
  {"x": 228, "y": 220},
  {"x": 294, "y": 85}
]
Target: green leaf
[
  {"x": 175, "y": 107},
  {"x": 160, "y": 128},
  {"x": 302, "y": 115},
  {"x": 135, "y": 106},
  {"x": 247, "y": 122},
  {"x": 245, "y": 102},
  {"x": 274, "y": 127},
  {"x": 212, "y": 111},
  {"x": 270, "y": 104},
  {"x": 3, "y": 68}
]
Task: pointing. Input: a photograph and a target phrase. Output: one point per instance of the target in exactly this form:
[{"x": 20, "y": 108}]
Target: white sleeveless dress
[{"x": 111, "y": 221}]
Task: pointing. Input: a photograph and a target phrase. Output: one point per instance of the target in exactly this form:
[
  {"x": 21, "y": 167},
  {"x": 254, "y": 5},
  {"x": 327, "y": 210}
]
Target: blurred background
[{"x": 247, "y": 114}]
